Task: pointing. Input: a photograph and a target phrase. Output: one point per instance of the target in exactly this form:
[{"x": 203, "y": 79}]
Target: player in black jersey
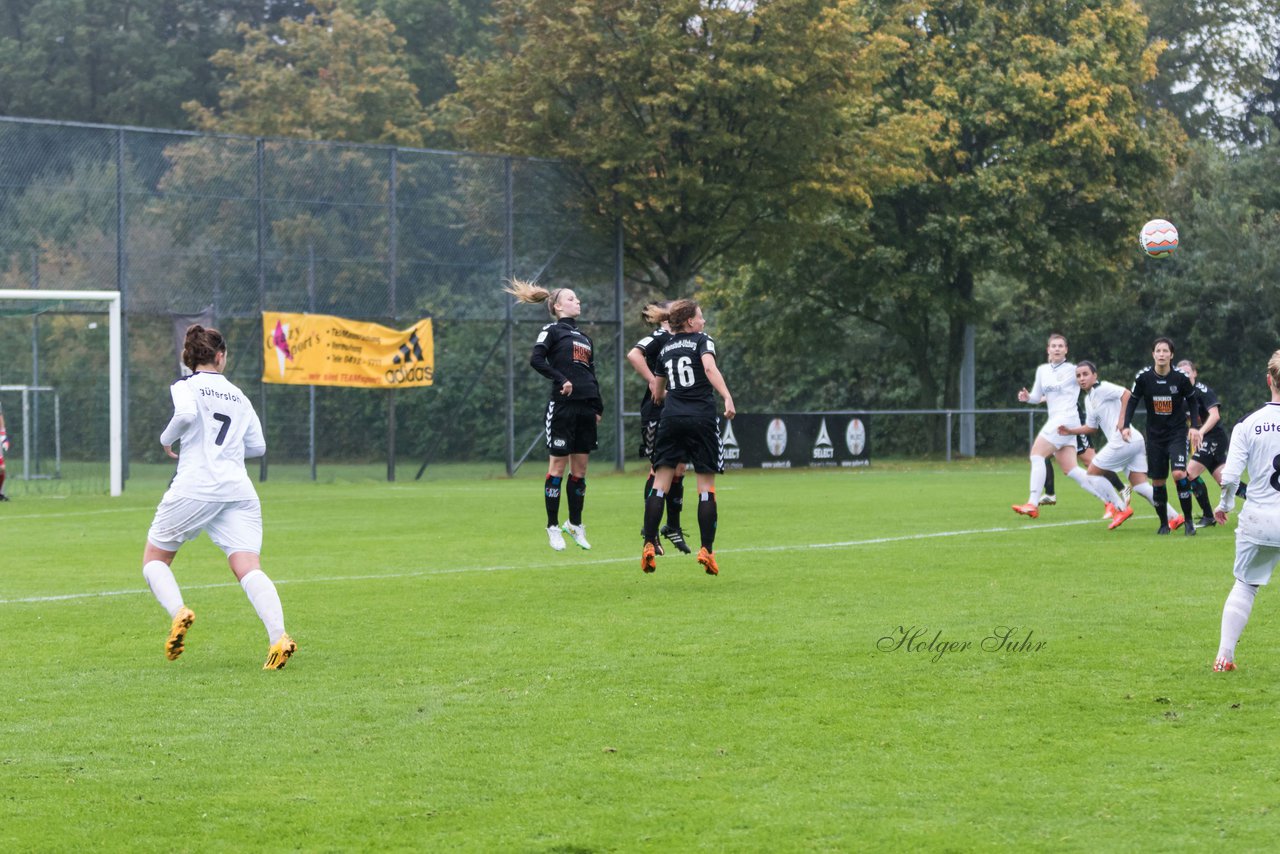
[
  {"x": 1211, "y": 456},
  {"x": 643, "y": 357},
  {"x": 687, "y": 375},
  {"x": 1170, "y": 399},
  {"x": 564, "y": 354}
]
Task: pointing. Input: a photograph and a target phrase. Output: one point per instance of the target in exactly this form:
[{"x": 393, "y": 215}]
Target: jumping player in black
[
  {"x": 644, "y": 358},
  {"x": 1170, "y": 398},
  {"x": 563, "y": 354},
  {"x": 686, "y": 375},
  {"x": 1211, "y": 456}
]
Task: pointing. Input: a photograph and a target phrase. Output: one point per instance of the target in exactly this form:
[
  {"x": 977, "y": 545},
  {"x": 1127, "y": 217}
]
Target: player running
[
  {"x": 216, "y": 428},
  {"x": 1103, "y": 403},
  {"x": 1055, "y": 385},
  {"x": 1255, "y": 446},
  {"x": 686, "y": 375},
  {"x": 1169, "y": 396}
]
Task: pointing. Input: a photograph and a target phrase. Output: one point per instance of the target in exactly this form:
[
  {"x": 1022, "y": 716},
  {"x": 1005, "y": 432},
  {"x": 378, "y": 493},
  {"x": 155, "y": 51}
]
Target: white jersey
[
  {"x": 218, "y": 428},
  {"x": 1102, "y": 410},
  {"x": 1056, "y": 386},
  {"x": 1255, "y": 443}
]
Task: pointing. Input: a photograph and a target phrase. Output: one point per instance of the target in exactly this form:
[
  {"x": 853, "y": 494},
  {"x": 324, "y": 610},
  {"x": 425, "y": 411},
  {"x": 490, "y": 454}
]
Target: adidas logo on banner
[{"x": 409, "y": 350}]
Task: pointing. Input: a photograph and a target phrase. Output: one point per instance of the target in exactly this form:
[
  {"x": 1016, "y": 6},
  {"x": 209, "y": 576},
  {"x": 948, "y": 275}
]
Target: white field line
[{"x": 845, "y": 544}]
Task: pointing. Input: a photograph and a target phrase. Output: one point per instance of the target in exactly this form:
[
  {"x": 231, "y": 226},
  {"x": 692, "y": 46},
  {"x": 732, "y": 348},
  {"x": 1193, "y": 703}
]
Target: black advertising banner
[{"x": 804, "y": 440}]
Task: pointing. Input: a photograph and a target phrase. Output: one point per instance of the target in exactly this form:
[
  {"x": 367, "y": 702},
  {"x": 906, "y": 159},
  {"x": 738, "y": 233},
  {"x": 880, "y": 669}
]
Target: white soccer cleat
[
  {"x": 556, "y": 538},
  {"x": 578, "y": 532},
  {"x": 1046, "y": 500}
]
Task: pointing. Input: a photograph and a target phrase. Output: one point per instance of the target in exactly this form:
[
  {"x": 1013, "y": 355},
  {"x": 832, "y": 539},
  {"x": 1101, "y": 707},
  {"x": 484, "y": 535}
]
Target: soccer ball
[{"x": 1158, "y": 238}]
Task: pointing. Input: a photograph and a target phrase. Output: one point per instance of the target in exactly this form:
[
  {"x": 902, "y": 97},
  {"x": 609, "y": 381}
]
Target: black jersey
[
  {"x": 564, "y": 352},
  {"x": 650, "y": 345},
  {"x": 1206, "y": 399},
  {"x": 689, "y": 392},
  {"x": 1170, "y": 401}
]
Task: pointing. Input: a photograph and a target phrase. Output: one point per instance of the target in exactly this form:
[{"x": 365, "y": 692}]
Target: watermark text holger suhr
[{"x": 931, "y": 642}]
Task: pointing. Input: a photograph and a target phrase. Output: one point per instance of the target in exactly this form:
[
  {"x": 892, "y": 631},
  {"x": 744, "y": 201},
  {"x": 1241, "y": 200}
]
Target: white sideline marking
[{"x": 28, "y": 600}]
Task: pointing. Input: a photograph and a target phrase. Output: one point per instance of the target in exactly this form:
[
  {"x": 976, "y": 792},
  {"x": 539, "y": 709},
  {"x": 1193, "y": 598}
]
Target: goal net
[{"x": 61, "y": 391}]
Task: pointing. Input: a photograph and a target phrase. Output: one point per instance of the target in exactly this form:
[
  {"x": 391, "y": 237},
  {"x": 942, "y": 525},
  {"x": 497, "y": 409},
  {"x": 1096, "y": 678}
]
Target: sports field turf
[{"x": 459, "y": 686}]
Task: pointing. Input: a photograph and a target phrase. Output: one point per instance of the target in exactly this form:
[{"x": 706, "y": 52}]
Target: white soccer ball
[{"x": 1158, "y": 238}]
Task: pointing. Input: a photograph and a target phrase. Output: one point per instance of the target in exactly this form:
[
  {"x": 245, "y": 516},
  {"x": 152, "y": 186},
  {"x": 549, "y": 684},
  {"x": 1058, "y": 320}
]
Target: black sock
[
  {"x": 577, "y": 495},
  {"x": 675, "y": 502},
  {"x": 648, "y": 486},
  {"x": 1113, "y": 479},
  {"x": 1048, "y": 477},
  {"x": 653, "y": 514},
  {"x": 1201, "y": 493},
  {"x": 707, "y": 518},
  {"x": 1184, "y": 498},
  {"x": 553, "y": 501},
  {"x": 1161, "y": 495}
]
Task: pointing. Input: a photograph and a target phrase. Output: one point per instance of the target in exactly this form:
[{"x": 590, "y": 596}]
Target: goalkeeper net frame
[{"x": 110, "y": 301}]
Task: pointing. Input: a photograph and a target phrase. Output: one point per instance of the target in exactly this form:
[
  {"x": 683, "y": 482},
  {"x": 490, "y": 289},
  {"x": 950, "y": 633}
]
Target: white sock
[
  {"x": 1096, "y": 485},
  {"x": 1037, "y": 480},
  {"x": 1144, "y": 489},
  {"x": 266, "y": 601},
  {"x": 1235, "y": 616},
  {"x": 164, "y": 586}
]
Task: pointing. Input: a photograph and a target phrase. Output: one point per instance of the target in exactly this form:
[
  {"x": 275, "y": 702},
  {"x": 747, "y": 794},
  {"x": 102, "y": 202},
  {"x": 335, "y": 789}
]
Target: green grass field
[{"x": 459, "y": 686}]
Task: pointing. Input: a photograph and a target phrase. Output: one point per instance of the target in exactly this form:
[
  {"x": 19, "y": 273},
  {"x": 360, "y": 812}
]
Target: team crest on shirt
[{"x": 582, "y": 352}]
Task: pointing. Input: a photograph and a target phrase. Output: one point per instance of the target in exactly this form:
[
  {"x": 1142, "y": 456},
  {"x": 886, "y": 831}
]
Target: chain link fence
[{"x": 184, "y": 224}]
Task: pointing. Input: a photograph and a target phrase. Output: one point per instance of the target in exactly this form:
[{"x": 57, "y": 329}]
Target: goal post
[{"x": 115, "y": 364}]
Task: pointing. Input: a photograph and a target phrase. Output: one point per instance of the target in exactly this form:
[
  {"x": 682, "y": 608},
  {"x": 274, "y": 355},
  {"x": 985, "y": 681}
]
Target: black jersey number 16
[{"x": 225, "y": 421}]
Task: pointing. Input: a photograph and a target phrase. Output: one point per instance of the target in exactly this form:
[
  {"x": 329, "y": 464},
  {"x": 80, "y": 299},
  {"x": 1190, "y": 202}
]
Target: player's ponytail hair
[
  {"x": 202, "y": 345},
  {"x": 528, "y": 292},
  {"x": 680, "y": 312},
  {"x": 1273, "y": 369},
  {"x": 655, "y": 312}
]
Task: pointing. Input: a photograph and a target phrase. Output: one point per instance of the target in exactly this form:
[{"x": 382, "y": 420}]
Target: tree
[
  {"x": 334, "y": 75},
  {"x": 1041, "y": 172},
  {"x": 708, "y": 129}
]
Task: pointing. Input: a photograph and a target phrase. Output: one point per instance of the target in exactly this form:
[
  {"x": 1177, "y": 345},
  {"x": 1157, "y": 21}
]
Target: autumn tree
[
  {"x": 334, "y": 75},
  {"x": 708, "y": 129}
]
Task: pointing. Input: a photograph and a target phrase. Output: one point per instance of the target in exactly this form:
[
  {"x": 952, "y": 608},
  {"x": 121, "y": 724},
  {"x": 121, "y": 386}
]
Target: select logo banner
[
  {"x": 796, "y": 440},
  {"x": 319, "y": 349}
]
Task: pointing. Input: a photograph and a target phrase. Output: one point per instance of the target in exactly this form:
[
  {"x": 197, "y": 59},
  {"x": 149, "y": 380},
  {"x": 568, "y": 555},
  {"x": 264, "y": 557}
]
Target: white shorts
[
  {"x": 1051, "y": 435},
  {"x": 1121, "y": 456},
  {"x": 234, "y": 526},
  {"x": 1254, "y": 562}
]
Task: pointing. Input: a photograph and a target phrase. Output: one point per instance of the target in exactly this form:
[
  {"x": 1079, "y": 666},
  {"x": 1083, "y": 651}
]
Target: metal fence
[{"x": 184, "y": 223}]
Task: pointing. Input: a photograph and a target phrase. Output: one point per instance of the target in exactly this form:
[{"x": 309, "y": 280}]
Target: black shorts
[
  {"x": 689, "y": 438},
  {"x": 1212, "y": 451},
  {"x": 1165, "y": 453},
  {"x": 648, "y": 435},
  {"x": 571, "y": 427},
  {"x": 1082, "y": 444}
]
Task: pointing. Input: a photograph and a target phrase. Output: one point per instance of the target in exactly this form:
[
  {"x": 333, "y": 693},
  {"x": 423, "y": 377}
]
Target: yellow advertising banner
[{"x": 318, "y": 349}]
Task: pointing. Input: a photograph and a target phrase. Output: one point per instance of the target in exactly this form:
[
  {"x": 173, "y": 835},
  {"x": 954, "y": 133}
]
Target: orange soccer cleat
[
  {"x": 176, "y": 642},
  {"x": 648, "y": 558},
  {"x": 1176, "y": 522},
  {"x": 1223, "y": 665},
  {"x": 1027, "y": 510},
  {"x": 1119, "y": 518},
  {"x": 708, "y": 561}
]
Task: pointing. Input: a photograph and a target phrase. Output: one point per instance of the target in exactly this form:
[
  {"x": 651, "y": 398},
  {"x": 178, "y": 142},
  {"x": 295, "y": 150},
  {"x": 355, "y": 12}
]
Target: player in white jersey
[
  {"x": 1255, "y": 447},
  {"x": 1055, "y": 386},
  {"x": 1104, "y": 405},
  {"x": 215, "y": 427}
]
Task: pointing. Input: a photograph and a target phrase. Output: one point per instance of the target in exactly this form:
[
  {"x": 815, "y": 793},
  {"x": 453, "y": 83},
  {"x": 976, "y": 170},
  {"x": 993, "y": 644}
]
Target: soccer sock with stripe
[
  {"x": 1184, "y": 498},
  {"x": 675, "y": 501},
  {"x": 577, "y": 496},
  {"x": 707, "y": 518},
  {"x": 653, "y": 514},
  {"x": 266, "y": 601},
  {"x": 163, "y": 585},
  {"x": 1235, "y": 616},
  {"x": 552, "y": 488},
  {"x": 1161, "y": 495},
  {"x": 1201, "y": 493}
]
